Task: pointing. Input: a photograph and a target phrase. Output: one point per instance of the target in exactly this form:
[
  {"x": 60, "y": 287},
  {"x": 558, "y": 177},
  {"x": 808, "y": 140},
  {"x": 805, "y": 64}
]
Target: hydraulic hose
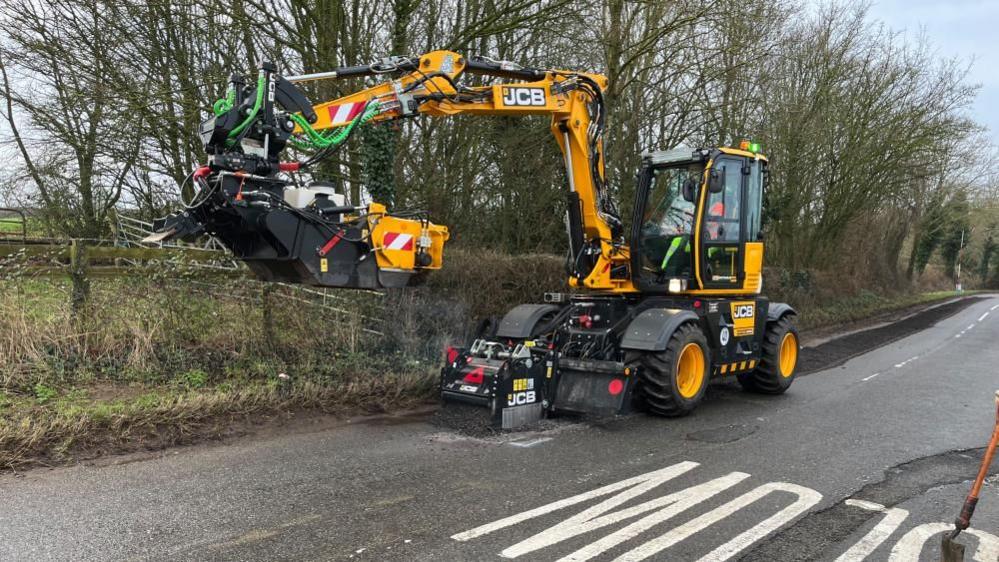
[
  {"x": 259, "y": 101},
  {"x": 318, "y": 140},
  {"x": 225, "y": 104}
]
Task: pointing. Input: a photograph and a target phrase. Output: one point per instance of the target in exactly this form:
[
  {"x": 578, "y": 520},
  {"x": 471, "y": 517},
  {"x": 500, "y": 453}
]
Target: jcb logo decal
[
  {"x": 524, "y": 96},
  {"x": 743, "y": 318},
  {"x": 521, "y": 398}
]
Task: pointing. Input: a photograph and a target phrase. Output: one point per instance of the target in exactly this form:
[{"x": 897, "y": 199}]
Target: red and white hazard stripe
[
  {"x": 344, "y": 112},
  {"x": 397, "y": 241}
]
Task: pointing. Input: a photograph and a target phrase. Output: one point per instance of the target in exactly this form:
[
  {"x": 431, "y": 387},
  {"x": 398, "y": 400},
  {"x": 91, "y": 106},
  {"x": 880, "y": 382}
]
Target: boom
[{"x": 432, "y": 86}]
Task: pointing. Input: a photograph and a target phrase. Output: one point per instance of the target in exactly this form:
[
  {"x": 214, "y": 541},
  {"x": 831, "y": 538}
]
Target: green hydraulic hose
[
  {"x": 225, "y": 104},
  {"x": 318, "y": 140},
  {"x": 259, "y": 101}
]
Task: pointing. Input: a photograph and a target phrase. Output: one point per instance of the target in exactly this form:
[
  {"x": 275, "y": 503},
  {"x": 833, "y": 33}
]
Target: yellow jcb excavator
[{"x": 655, "y": 312}]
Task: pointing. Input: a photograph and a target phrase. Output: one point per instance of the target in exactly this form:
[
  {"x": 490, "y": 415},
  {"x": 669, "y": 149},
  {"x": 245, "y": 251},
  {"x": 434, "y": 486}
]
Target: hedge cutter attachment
[{"x": 283, "y": 229}]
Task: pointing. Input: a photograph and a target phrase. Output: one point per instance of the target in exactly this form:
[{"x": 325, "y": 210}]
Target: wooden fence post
[
  {"x": 268, "y": 316},
  {"x": 78, "y": 275}
]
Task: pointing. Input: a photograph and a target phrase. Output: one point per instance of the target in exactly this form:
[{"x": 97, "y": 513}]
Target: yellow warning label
[
  {"x": 743, "y": 318},
  {"x": 519, "y": 385},
  {"x": 324, "y": 266}
]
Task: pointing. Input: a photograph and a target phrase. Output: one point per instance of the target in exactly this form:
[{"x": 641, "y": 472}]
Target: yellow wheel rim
[
  {"x": 690, "y": 370},
  {"x": 788, "y": 354}
]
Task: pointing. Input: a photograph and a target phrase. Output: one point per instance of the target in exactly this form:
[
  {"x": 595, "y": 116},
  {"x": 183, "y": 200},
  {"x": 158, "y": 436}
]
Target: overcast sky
[{"x": 968, "y": 29}]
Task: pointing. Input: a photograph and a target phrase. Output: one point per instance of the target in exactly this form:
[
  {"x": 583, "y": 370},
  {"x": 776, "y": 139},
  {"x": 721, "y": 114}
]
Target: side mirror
[
  {"x": 689, "y": 189},
  {"x": 716, "y": 181}
]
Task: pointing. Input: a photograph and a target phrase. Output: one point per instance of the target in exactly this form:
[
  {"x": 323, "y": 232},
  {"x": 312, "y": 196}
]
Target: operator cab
[{"x": 697, "y": 221}]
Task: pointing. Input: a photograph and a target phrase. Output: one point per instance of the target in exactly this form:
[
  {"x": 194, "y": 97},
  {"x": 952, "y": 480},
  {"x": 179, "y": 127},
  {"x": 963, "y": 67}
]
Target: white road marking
[
  {"x": 994, "y": 307},
  {"x": 906, "y": 362},
  {"x": 865, "y": 379},
  {"x": 659, "y": 510},
  {"x": 970, "y": 326},
  {"x": 655, "y": 511},
  {"x": 911, "y": 544},
  {"x": 806, "y": 499},
  {"x": 864, "y": 504},
  {"x": 530, "y": 442},
  {"x": 639, "y": 485},
  {"x": 673, "y": 504},
  {"x": 982, "y": 317},
  {"x": 872, "y": 540}
]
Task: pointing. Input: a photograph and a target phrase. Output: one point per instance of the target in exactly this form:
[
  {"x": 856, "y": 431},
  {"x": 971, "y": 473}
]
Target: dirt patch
[
  {"x": 106, "y": 391},
  {"x": 257, "y": 428},
  {"x": 837, "y": 351}
]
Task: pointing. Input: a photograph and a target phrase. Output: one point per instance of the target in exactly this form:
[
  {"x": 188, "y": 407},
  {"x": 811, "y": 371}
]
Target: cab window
[
  {"x": 723, "y": 221},
  {"x": 668, "y": 220},
  {"x": 754, "y": 200}
]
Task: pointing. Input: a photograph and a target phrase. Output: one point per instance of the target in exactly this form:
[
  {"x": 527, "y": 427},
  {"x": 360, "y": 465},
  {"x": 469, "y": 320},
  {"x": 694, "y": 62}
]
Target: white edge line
[{"x": 865, "y": 379}]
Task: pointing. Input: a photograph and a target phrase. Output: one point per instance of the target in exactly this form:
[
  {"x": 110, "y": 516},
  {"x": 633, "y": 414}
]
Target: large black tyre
[
  {"x": 778, "y": 361},
  {"x": 672, "y": 382}
]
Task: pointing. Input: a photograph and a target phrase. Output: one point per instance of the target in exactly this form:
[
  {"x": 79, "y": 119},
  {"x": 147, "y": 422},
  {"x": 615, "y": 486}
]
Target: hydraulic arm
[{"x": 255, "y": 204}]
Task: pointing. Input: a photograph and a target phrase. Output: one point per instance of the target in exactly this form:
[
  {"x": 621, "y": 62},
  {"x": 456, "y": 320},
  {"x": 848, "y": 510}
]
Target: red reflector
[
  {"x": 615, "y": 387},
  {"x": 697, "y": 304},
  {"x": 452, "y": 354},
  {"x": 475, "y": 377}
]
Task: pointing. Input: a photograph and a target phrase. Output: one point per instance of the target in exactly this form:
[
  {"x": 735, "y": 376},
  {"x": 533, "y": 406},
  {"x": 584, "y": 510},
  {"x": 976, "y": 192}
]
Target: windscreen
[{"x": 669, "y": 219}]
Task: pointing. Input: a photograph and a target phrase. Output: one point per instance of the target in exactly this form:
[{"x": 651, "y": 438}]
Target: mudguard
[
  {"x": 652, "y": 328},
  {"x": 519, "y": 323},
  {"x": 778, "y": 309}
]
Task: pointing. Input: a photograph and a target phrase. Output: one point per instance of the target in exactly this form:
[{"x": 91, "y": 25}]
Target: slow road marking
[
  {"x": 655, "y": 511},
  {"x": 617, "y": 507}
]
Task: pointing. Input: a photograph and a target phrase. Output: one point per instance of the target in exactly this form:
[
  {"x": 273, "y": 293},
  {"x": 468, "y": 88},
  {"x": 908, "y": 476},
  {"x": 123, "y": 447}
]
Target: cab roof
[{"x": 686, "y": 154}]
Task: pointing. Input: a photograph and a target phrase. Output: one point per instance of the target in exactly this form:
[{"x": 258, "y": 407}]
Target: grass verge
[
  {"x": 865, "y": 306},
  {"x": 56, "y": 427}
]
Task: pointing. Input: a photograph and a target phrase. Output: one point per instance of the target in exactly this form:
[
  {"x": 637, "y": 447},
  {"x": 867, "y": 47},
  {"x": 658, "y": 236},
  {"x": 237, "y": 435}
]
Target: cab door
[
  {"x": 731, "y": 252},
  {"x": 722, "y": 224}
]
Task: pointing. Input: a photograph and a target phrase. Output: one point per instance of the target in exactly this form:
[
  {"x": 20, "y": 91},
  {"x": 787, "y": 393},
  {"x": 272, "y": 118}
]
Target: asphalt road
[{"x": 867, "y": 459}]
